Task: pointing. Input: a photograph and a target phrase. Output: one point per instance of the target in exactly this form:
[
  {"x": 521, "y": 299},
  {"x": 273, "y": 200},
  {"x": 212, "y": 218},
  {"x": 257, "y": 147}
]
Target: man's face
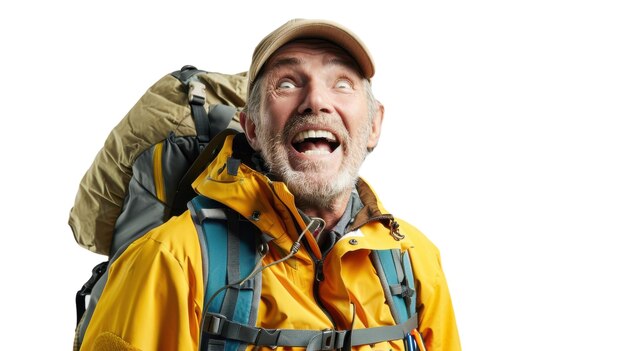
[{"x": 315, "y": 122}]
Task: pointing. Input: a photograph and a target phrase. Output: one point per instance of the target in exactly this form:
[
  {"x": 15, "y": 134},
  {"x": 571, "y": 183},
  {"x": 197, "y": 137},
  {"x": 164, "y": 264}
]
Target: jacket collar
[{"x": 238, "y": 175}]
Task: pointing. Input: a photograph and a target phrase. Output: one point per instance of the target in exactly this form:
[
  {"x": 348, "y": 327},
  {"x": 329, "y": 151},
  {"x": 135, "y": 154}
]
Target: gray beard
[{"x": 311, "y": 191}]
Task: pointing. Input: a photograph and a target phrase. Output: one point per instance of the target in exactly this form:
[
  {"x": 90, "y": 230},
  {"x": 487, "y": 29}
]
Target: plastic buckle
[
  {"x": 267, "y": 337},
  {"x": 197, "y": 93},
  {"x": 96, "y": 273},
  {"x": 332, "y": 339},
  {"x": 407, "y": 291},
  {"x": 214, "y": 323}
]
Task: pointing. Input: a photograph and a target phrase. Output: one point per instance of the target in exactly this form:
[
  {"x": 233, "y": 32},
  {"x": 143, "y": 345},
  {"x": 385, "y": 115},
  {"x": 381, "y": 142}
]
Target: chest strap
[{"x": 328, "y": 339}]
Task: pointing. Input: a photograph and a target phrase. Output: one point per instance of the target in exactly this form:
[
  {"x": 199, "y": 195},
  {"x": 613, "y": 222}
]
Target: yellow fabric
[
  {"x": 154, "y": 293},
  {"x": 153, "y": 297}
]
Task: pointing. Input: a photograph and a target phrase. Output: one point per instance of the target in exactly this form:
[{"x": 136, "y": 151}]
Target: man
[{"x": 310, "y": 121}]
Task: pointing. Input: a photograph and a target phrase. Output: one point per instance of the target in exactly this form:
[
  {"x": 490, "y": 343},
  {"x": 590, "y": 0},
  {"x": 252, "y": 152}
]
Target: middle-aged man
[{"x": 310, "y": 121}]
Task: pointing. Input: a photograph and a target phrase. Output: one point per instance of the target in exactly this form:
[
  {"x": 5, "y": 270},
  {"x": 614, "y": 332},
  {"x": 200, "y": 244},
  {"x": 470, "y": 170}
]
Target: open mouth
[{"x": 315, "y": 142}]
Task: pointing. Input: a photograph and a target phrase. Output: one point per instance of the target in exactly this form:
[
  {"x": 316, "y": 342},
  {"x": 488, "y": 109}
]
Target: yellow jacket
[{"x": 154, "y": 294}]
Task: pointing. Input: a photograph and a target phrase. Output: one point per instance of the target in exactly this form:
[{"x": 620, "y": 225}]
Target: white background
[{"x": 504, "y": 141}]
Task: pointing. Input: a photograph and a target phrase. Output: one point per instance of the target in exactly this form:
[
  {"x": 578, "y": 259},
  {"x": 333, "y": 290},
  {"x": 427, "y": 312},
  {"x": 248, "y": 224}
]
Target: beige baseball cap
[{"x": 311, "y": 29}]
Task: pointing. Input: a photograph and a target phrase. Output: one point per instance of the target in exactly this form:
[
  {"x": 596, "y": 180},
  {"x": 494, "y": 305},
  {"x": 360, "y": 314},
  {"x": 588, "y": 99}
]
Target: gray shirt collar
[{"x": 353, "y": 207}]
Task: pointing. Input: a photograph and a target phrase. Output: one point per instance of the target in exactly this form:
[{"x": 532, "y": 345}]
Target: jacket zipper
[
  {"x": 318, "y": 278},
  {"x": 318, "y": 264},
  {"x": 157, "y": 165}
]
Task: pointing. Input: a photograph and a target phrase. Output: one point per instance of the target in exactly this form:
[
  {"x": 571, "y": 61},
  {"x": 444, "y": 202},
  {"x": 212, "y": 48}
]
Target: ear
[
  {"x": 377, "y": 123},
  {"x": 249, "y": 128}
]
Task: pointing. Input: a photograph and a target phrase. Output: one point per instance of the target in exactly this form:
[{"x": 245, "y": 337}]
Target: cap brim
[{"x": 312, "y": 29}]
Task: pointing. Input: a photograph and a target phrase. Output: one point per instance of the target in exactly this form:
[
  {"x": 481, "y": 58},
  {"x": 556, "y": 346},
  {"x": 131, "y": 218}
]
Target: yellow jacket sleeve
[
  {"x": 438, "y": 322},
  {"x": 153, "y": 295}
]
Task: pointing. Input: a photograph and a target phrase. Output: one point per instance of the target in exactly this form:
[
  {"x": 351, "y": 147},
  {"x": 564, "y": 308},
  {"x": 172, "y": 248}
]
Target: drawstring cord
[{"x": 258, "y": 267}]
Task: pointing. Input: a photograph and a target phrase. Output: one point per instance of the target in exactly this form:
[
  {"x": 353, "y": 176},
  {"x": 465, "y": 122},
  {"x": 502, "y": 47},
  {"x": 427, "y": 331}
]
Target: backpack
[
  {"x": 173, "y": 121},
  {"x": 181, "y": 122},
  {"x": 142, "y": 175}
]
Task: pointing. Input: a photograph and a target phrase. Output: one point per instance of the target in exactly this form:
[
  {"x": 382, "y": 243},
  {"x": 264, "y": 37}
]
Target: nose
[{"x": 315, "y": 100}]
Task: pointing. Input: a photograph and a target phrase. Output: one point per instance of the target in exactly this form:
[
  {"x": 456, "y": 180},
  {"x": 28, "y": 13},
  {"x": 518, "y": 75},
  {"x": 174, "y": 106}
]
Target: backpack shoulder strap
[
  {"x": 398, "y": 282},
  {"x": 396, "y": 277},
  {"x": 231, "y": 247}
]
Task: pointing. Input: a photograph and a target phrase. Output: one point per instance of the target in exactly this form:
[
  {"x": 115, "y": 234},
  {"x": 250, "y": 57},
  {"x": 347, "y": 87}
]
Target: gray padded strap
[
  {"x": 220, "y": 117},
  {"x": 397, "y": 260},
  {"x": 386, "y": 288},
  {"x": 233, "y": 273}
]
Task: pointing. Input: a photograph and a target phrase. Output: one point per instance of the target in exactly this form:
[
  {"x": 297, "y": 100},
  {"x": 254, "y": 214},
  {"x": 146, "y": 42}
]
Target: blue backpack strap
[
  {"x": 398, "y": 281},
  {"x": 230, "y": 250},
  {"x": 242, "y": 258},
  {"x": 396, "y": 276}
]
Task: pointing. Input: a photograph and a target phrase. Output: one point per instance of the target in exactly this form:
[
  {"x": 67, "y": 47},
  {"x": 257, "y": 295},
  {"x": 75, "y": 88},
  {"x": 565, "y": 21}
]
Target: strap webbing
[
  {"x": 385, "y": 333},
  {"x": 184, "y": 192},
  {"x": 312, "y": 339},
  {"x": 186, "y": 73},
  {"x": 201, "y": 120},
  {"x": 233, "y": 275},
  {"x": 411, "y": 296},
  {"x": 81, "y": 294}
]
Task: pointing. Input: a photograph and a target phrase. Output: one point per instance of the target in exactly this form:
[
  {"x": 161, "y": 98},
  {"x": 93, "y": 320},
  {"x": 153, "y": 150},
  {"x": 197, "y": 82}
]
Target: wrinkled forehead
[{"x": 292, "y": 52}]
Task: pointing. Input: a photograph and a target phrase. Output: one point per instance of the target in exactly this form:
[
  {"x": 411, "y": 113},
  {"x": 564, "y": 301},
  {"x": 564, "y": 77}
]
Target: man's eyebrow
[
  {"x": 344, "y": 62},
  {"x": 285, "y": 61}
]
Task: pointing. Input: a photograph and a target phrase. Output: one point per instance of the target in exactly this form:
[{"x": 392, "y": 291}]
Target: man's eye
[
  {"x": 286, "y": 85},
  {"x": 343, "y": 84}
]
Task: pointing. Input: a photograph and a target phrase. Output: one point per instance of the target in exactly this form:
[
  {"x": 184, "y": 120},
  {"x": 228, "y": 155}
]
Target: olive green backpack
[{"x": 142, "y": 175}]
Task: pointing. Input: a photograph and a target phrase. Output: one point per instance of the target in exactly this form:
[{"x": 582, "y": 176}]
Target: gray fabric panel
[
  {"x": 219, "y": 118},
  {"x": 143, "y": 171},
  {"x": 178, "y": 155},
  {"x": 141, "y": 210}
]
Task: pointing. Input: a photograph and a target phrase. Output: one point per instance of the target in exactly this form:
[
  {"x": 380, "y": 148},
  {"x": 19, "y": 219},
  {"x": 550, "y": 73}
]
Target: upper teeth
[{"x": 314, "y": 134}]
